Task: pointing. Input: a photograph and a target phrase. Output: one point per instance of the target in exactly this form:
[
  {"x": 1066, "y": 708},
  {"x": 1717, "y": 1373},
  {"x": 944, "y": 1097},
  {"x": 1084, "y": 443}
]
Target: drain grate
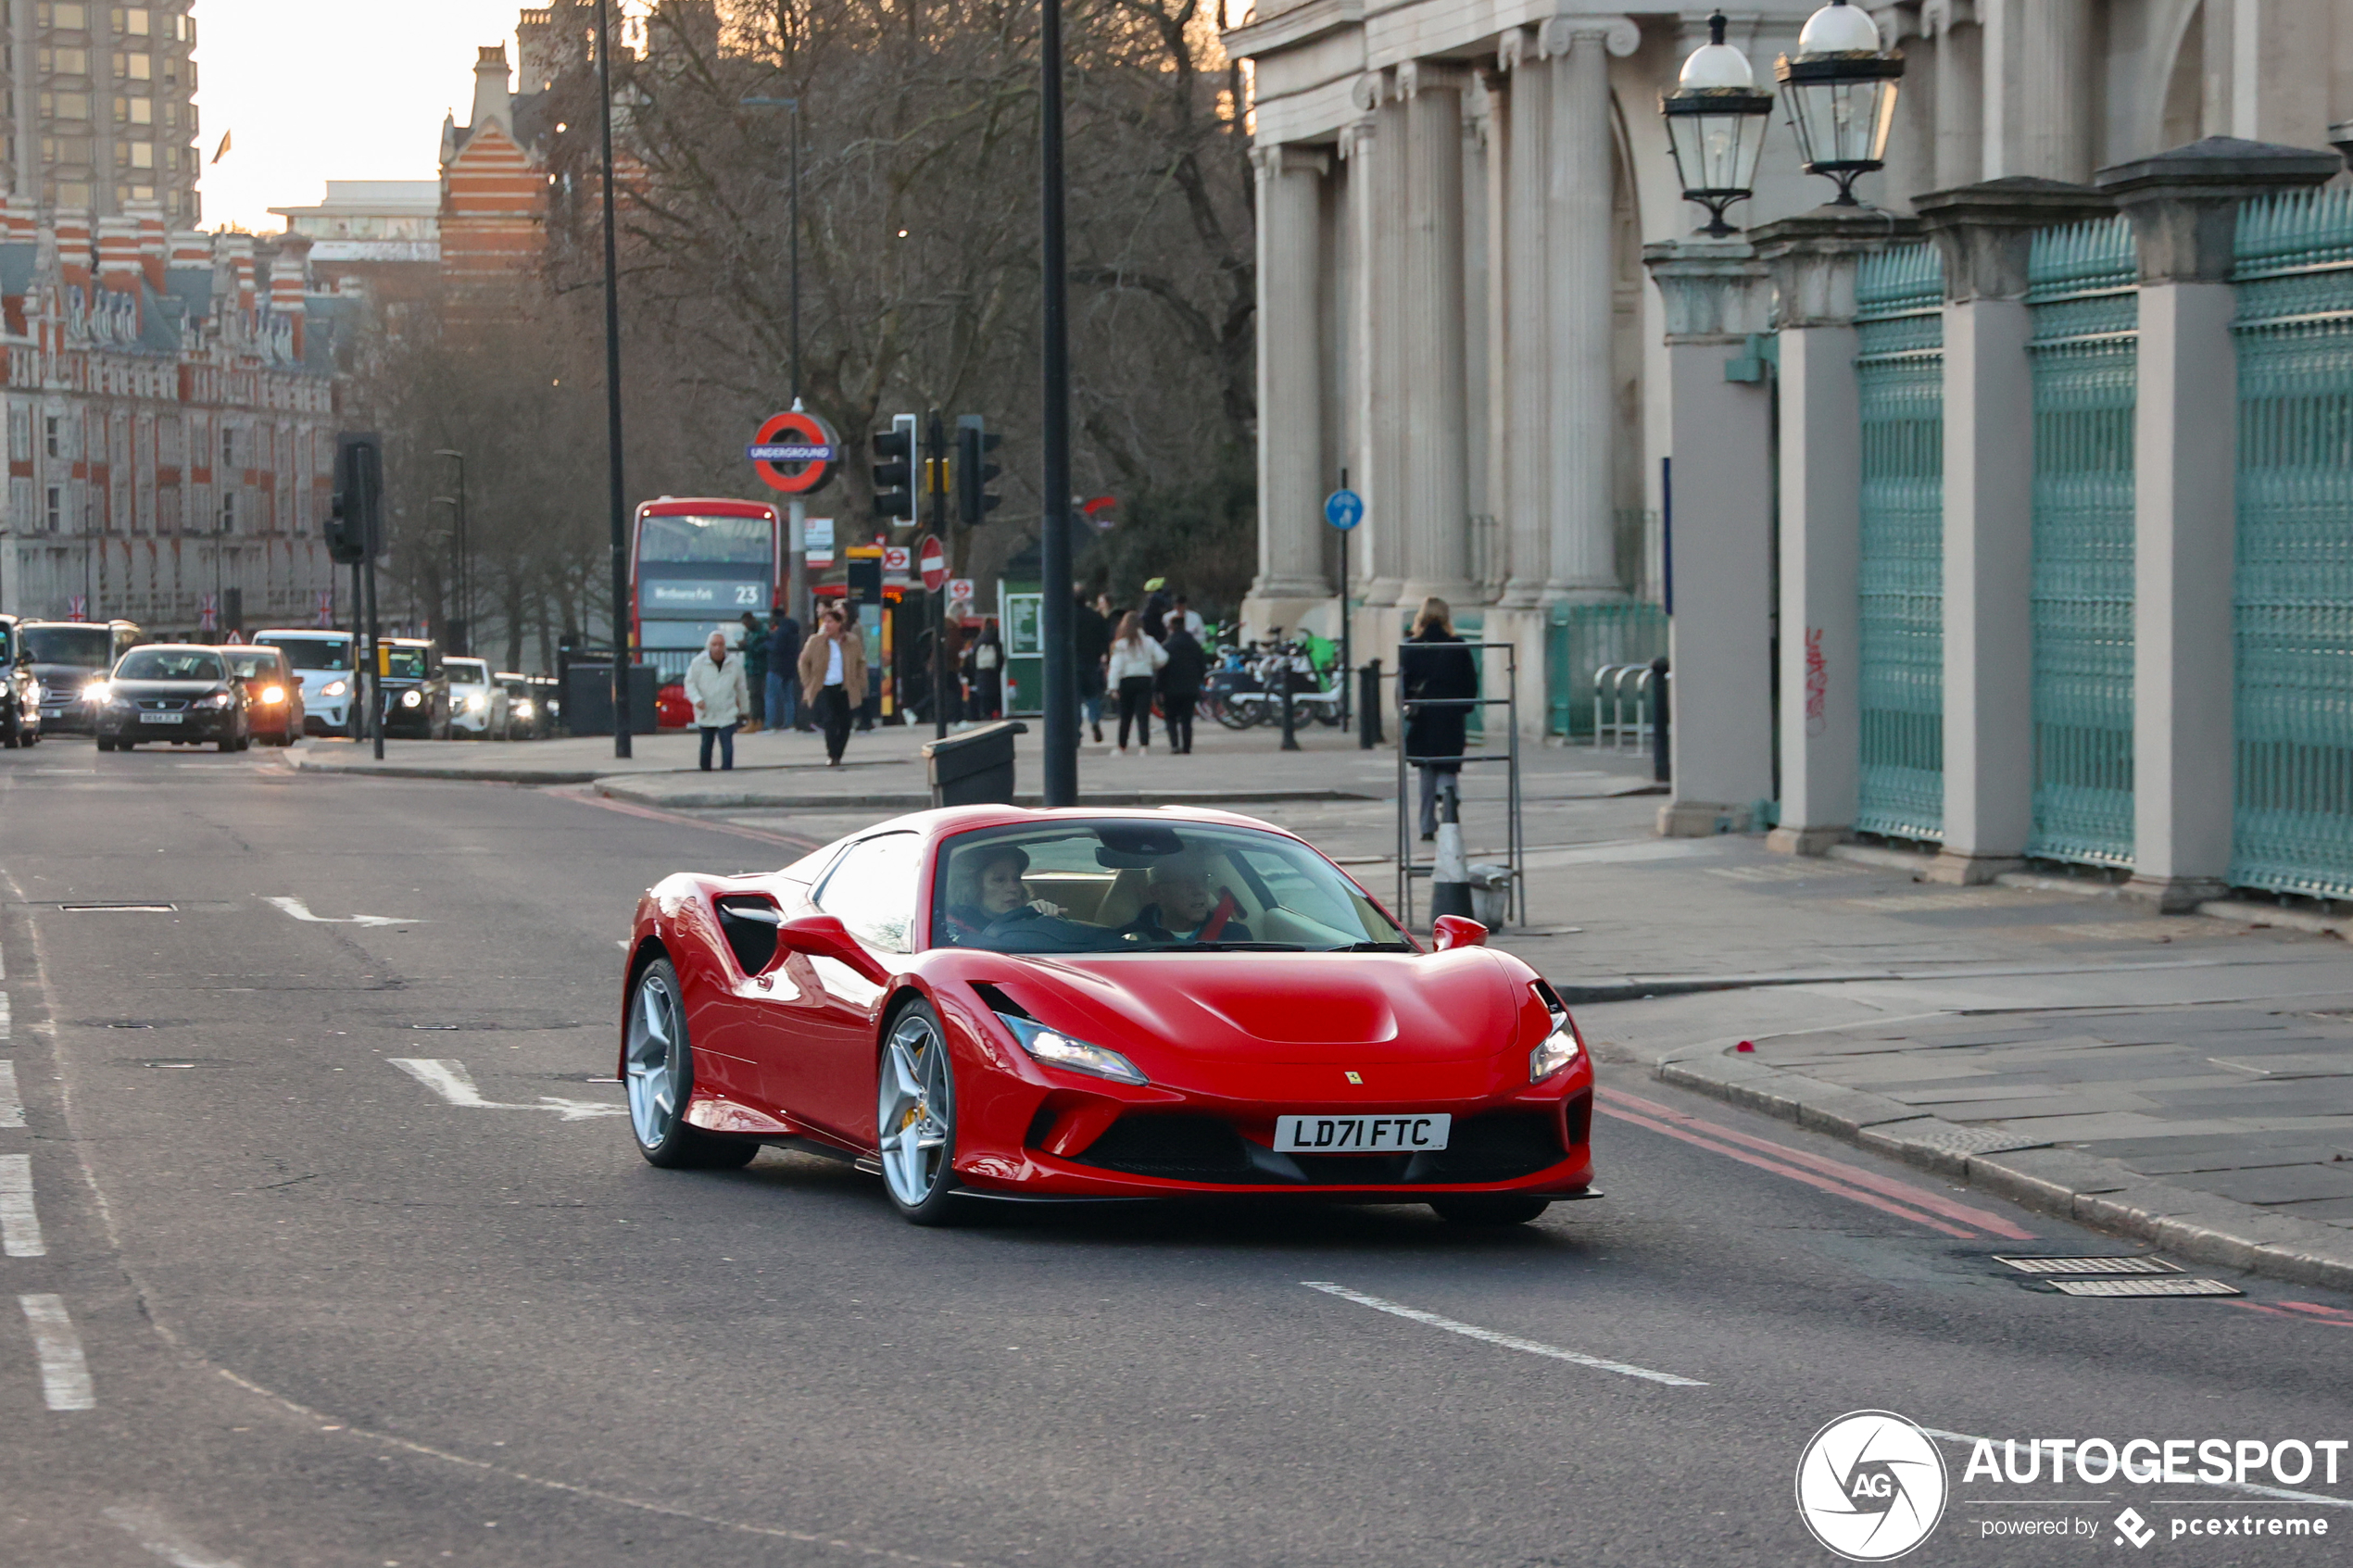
[
  {"x": 2171, "y": 1287},
  {"x": 2090, "y": 1265},
  {"x": 119, "y": 909}
]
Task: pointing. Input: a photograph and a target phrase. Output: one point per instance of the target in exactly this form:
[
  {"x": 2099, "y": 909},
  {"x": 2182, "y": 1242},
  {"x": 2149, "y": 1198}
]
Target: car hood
[
  {"x": 163, "y": 688},
  {"x": 64, "y": 677},
  {"x": 1271, "y": 1008}
]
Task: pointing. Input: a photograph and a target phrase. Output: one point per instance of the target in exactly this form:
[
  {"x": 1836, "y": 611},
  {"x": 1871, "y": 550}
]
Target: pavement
[{"x": 282, "y": 1300}]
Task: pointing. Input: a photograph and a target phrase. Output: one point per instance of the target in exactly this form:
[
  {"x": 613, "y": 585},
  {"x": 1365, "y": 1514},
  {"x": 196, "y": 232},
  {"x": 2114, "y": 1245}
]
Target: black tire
[
  {"x": 940, "y": 1206},
  {"x": 1490, "y": 1209},
  {"x": 675, "y": 1145},
  {"x": 105, "y": 745}
]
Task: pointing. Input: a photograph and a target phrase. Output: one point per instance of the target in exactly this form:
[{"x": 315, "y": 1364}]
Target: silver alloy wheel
[
  {"x": 916, "y": 1109},
  {"x": 657, "y": 1059}
]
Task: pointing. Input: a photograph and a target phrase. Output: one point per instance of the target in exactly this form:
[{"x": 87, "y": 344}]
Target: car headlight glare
[
  {"x": 96, "y": 691},
  {"x": 1057, "y": 1049},
  {"x": 474, "y": 704},
  {"x": 213, "y": 699},
  {"x": 410, "y": 699},
  {"x": 1558, "y": 1050},
  {"x": 274, "y": 693},
  {"x": 521, "y": 708},
  {"x": 334, "y": 688}
]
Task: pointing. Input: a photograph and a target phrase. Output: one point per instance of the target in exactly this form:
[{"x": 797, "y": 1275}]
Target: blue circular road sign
[{"x": 1343, "y": 510}]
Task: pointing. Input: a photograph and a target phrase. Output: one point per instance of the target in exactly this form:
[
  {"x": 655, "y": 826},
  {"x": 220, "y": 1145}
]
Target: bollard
[
  {"x": 1368, "y": 733},
  {"x": 1450, "y": 892},
  {"x": 1659, "y": 720},
  {"x": 1290, "y": 724}
]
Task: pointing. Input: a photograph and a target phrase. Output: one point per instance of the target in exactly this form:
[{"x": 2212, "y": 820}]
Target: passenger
[
  {"x": 1179, "y": 907},
  {"x": 986, "y": 892}
]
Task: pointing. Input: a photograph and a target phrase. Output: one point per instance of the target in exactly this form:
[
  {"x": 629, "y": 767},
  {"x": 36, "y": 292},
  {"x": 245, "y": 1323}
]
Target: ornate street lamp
[
  {"x": 1841, "y": 93},
  {"x": 1716, "y": 122}
]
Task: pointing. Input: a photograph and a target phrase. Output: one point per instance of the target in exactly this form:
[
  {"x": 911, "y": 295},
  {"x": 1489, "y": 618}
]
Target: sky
[{"x": 319, "y": 90}]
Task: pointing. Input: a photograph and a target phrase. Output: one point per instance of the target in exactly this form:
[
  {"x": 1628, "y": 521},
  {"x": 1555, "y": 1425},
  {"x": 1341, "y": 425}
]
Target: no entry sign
[
  {"x": 795, "y": 452},
  {"x": 934, "y": 561}
]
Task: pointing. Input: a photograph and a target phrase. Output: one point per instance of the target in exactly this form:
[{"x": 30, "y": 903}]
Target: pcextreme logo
[{"x": 1871, "y": 1485}]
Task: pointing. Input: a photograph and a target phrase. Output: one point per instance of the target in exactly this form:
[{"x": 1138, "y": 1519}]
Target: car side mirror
[
  {"x": 824, "y": 937},
  {"x": 1456, "y": 931}
]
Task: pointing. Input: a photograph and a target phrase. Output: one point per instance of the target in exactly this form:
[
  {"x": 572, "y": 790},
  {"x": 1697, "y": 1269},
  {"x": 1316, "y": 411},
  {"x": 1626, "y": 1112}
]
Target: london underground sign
[{"x": 795, "y": 452}]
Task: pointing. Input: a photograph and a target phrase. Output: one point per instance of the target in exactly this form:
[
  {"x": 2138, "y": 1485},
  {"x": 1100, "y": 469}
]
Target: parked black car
[
  {"x": 68, "y": 656},
  {"x": 184, "y": 693},
  {"x": 415, "y": 689},
  {"x": 20, "y": 689}
]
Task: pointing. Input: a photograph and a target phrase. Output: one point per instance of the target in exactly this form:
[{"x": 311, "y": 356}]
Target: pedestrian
[
  {"x": 985, "y": 663},
  {"x": 1157, "y": 602},
  {"x": 833, "y": 679},
  {"x": 1190, "y": 617},
  {"x": 716, "y": 684},
  {"x": 754, "y": 646},
  {"x": 1135, "y": 660},
  {"x": 1435, "y": 682},
  {"x": 783, "y": 663},
  {"x": 1090, "y": 634},
  {"x": 1180, "y": 681}
]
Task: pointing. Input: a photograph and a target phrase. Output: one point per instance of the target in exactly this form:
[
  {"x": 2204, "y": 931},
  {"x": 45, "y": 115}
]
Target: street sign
[
  {"x": 817, "y": 541},
  {"x": 960, "y": 589},
  {"x": 1343, "y": 510},
  {"x": 795, "y": 452},
  {"x": 897, "y": 558},
  {"x": 934, "y": 561}
]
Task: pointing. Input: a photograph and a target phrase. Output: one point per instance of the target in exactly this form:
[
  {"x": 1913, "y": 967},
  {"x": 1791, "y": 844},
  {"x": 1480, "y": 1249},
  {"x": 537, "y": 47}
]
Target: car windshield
[
  {"x": 466, "y": 672},
  {"x": 170, "y": 664},
  {"x": 404, "y": 664},
  {"x": 313, "y": 653},
  {"x": 248, "y": 665},
  {"x": 1127, "y": 886},
  {"x": 89, "y": 647}
]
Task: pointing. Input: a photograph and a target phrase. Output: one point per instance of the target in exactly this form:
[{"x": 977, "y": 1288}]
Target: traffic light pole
[
  {"x": 375, "y": 656},
  {"x": 622, "y": 724},
  {"x": 1062, "y": 684},
  {"x": 936, "y": 471}
]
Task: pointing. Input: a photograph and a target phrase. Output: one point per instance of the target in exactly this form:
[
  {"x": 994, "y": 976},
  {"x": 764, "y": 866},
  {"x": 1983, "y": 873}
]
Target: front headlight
[
  {"x": 521, "y": 708},
  {"x": 334, "y": 688},
  {"x": 96, "y": 692},
  {"x": 1559, "y": 1048},
  {"x": 274, "y": 693},
  {"x": 213, "y": 699},
  {"x": 472, "y": 704},
  {"x": 1057, "y": 1050},
  {"x": 411, "y": 699}
]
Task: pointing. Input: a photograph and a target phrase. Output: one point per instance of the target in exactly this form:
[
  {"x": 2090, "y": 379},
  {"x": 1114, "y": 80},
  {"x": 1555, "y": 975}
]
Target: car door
[{"x": 870, "y": 889}]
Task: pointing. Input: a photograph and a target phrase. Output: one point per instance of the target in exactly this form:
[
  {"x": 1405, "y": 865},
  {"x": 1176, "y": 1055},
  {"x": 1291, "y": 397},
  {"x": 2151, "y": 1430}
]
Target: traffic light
[
  {"x": 355, "y": 523},
  {"x": 973, "y": 471},
  {"x": 895, "y": 469}
]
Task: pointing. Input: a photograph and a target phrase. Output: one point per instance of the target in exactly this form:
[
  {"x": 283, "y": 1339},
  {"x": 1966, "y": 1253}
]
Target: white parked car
[
  {"x": 477, "y": 703},
  {"x": 323, "y": 661}
]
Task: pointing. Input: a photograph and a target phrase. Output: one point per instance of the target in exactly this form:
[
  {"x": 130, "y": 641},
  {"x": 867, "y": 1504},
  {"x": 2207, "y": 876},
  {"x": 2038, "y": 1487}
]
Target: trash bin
[
  {"x": 1490, "y": 895},
  {"x": 588, "y": 699},
  {"x": 974, "y": 768}
]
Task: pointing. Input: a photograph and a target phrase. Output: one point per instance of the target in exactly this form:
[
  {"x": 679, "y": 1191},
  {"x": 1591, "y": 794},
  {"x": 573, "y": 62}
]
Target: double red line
[{"x": 1932, "y": 1210}]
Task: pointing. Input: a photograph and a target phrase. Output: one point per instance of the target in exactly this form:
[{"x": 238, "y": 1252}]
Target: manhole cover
[
  {"x": 119, "y": 909},
  {"x": 2091, "y": 1265},
  {"x": 2146, "y": 1287}
]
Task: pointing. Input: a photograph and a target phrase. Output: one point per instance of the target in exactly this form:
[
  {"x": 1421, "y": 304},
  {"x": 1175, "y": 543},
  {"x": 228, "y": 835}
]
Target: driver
[
  {"x": 1179, "y": 907},
  {"x": 987, "y": 891}
]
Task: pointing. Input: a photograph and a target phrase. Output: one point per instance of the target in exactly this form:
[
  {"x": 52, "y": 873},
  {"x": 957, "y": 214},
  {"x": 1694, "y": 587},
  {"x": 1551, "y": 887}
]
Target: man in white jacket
[{"x": 716, "y": 684}]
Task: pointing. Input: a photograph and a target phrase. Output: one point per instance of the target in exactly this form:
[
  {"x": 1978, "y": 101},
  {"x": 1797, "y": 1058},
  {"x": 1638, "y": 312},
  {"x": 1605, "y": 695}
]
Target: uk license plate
[
  {"x": 1409, "y": 1134},
  {"x": 48, "y": 712},
  {"x": 163, "y": 718}
]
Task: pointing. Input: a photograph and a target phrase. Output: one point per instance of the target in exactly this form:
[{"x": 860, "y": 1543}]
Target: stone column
[
  {"x": 1719, "y": 434},
  {"x": 1527, "y": 314},
  {"x": 1290, "y": 432},
  {"x": 2183, "y": 205},
  {"x": 1430, "y": 328},
  {"x": 1984, "y": 232},
  {"x": 1960, "y": 90},
  {"x": 1378, "y": 192},
  {"x": 1583, "y": 412},
  {"x": 1813, "y": 261},
  {"x": 2055, "y": 97}
]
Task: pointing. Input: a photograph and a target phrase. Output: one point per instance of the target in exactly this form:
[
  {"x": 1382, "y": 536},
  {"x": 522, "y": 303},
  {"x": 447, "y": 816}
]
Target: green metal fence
[
  {"x": 2293, "y": 593},
  {"x": 2084, "y": 311},
  {"x": 1580, "y": 639},
  {"x": 1899, "y": 321}
]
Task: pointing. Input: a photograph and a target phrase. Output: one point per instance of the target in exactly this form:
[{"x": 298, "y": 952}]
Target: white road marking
[
  {"x": 65, "y": 1377},
  {"x": 4, "y": 1015},
  {"x": 453, "y": 1083},
  {"x": 11, "y": 1106},
  {"x": 301, "y": 910},
  {"x": 19, "y": 1225},
  {"x": 155, "y": 1532},
  {"x": 1508, "y": 1341}
]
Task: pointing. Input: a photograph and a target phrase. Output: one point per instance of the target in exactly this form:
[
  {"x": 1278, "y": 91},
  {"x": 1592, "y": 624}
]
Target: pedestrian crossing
[{"x": 62, "y": 1369}]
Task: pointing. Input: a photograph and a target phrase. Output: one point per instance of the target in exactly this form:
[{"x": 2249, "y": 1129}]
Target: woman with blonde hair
[
  {"x": 1436, "y": 683},
  {"x": 1135, "y": 660}
]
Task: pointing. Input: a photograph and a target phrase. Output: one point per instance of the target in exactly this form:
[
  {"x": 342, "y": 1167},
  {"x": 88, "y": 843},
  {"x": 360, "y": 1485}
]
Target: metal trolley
[{"x": 1515, "y": 850}]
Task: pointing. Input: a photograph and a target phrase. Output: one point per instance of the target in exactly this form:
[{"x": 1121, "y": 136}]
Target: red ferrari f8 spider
[{"x": 991, "y": 1003}]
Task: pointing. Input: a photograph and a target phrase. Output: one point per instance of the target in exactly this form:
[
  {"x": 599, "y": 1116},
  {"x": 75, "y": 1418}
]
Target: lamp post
[
  {"x": 1062, "y": 684},
  {"x": 463, "y": 641},
  {"x": 1840, "y": 95},
  {"x": 1715, "y": 119},
  {"x": 798, "y": 507},
  {"x": 620, "y": 661}
]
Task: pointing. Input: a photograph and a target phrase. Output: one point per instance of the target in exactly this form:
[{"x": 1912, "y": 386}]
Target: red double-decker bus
[{"x": 696, "y": 565}]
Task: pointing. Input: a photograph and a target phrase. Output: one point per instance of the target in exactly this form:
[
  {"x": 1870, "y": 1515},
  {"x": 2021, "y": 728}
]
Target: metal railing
[{"x": 1622, "y": 708}]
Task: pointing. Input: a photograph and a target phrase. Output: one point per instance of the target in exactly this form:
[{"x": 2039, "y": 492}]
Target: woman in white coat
[
  {"x": 722, "y": 695},
  {"x": 1135, "y": 659}
]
